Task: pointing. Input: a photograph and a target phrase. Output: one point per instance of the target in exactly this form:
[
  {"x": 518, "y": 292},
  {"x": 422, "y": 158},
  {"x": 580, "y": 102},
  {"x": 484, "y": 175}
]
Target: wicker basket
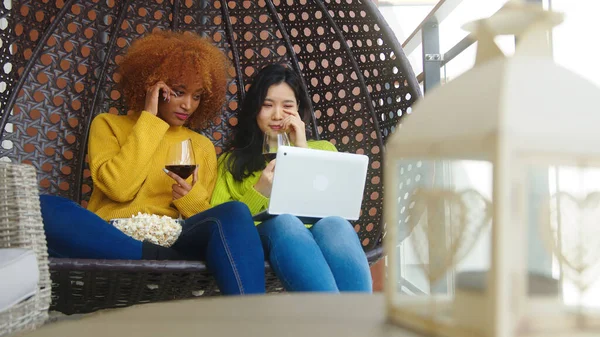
[{"x": 21, "y": 227}]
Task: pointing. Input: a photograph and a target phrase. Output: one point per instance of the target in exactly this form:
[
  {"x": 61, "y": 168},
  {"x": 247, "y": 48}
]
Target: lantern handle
[{"x": 529, "y": 23}]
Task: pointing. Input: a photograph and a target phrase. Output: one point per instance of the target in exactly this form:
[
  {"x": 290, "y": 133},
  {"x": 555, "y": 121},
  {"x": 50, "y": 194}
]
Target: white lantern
[{"x": 487, "y": 168}]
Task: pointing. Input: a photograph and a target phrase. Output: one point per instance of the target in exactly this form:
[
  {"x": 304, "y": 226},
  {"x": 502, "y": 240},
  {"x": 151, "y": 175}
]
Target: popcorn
[{"x": 160, "y": 230}]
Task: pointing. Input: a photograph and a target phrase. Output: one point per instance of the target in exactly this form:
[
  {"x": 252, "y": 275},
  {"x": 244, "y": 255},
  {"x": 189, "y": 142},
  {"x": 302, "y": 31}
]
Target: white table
[{"x": 278, "y": 315}]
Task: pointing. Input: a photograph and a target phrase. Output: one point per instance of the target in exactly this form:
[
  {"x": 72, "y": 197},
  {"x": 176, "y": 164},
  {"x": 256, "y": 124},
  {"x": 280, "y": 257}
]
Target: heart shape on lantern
[
  {"x": 571, "y": 228},
  {"x": 461, "y": 215}
]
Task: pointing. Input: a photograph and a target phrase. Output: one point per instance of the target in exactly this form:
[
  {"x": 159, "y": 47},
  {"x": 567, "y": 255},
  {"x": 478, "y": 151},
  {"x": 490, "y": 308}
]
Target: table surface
[{"x": 296, "y": 314}]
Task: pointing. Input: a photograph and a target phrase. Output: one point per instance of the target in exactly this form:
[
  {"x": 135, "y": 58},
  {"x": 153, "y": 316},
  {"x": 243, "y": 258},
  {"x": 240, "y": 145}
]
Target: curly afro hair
[{"x": 175, "y": 58}]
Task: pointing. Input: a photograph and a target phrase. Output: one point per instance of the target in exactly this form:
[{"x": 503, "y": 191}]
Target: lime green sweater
[{"x": 228, "y": 189}]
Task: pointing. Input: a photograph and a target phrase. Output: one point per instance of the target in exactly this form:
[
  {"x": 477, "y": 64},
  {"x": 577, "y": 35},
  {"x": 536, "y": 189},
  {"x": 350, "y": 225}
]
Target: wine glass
[
  {"x": 181, "y": 159},
  {"x": 272, "y": 142}
]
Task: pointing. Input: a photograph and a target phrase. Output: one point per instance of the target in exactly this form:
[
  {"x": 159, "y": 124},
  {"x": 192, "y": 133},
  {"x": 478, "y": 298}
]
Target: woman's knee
[
  {"x": 336, "y": 232},
  {"x": 53, "y": 201},
  {"x": 235, "y": 207},
  {"x": 235, "y": 221},
  {"x": 288, "y": 220},
  {"x": 54, "y": 206},
  {"x": 333, "y": 225},
  {"x": 235, "y": 213},
  {"x": 283, "y": 225}
]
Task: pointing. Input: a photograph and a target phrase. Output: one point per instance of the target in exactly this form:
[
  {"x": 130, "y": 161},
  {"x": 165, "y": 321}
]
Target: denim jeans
[
  {"x": 327, "y": 257},
  {"x": 223, "y": 236}
]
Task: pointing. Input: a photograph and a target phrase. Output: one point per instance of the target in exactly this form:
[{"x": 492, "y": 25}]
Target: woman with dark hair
[
  {"x": 170, "y": 81},
  {"x": 326, "y": 256}
]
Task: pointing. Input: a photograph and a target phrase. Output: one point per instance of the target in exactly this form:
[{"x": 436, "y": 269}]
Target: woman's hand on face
[
  {"x": 296, "y": 128},
  {"x": 182, "y": 187},
  {"x": 265, "y": 182},
  {"x": 160, "y": 88}
]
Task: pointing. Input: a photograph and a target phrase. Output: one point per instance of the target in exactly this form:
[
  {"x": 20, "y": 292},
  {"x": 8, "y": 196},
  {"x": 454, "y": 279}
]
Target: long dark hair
[{"x": 245, "y": 146}]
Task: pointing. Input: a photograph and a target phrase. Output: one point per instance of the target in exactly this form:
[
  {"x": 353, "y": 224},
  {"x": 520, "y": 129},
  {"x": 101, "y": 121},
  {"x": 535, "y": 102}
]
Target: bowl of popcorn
[{"x": 160, "y": 230}]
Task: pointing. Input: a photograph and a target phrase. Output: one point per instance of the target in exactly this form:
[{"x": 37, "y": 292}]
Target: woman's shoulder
[
  {"x": 109, "y": 121},
  {"x": 111, "y": 118},
  {"x": 224, "y": 155},
  {"x": 224, "y": 168},
  {"x": 223, "y": 159},
  {"x": 321, "y": 145}
]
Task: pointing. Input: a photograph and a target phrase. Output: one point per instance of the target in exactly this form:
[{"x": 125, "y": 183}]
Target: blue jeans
[
  {"x": 223, "y": 236},
  {"x": 327, "y": 257}
]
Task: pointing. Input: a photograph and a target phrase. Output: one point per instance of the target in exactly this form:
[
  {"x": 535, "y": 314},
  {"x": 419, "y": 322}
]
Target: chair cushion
[{"x": 19, "y": 276}]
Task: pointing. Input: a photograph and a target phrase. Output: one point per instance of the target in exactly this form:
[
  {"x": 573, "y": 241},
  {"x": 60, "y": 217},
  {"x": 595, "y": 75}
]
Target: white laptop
[{"x": 314, "y": 184}]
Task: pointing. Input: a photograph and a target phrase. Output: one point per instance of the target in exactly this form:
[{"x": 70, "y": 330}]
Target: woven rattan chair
[
  {"x": 59, "y": 59},
  {"x": 21, "y": 227}
]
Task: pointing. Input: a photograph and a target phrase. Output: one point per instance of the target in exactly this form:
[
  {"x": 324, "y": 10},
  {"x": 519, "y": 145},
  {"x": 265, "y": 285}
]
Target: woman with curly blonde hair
[{"x": 170, "y": 81}]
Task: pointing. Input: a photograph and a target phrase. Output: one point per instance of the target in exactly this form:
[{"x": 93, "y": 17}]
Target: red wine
[
  {"x": 270, "y": 156},
  {"x": 183, "y": 171}
]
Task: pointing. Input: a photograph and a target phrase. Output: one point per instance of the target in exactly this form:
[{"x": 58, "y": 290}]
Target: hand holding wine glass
[
  {"x": 180, "y": 164},
  {"x": 271, "y": 143},
  {"x": 265, "y": 182}
]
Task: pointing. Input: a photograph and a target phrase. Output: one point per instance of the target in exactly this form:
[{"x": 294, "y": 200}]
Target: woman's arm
[
  {"x": 227, "y": 189},
  {"x": 255, "y": 201},
  {"x": 119, "y": 170},
  {"x": 221, "y": 192}
]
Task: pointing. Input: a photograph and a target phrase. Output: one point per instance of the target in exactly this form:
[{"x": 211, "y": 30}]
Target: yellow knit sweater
[
  {"x": 228, "y": 189},
  {"x": 127, "y": 155}
]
